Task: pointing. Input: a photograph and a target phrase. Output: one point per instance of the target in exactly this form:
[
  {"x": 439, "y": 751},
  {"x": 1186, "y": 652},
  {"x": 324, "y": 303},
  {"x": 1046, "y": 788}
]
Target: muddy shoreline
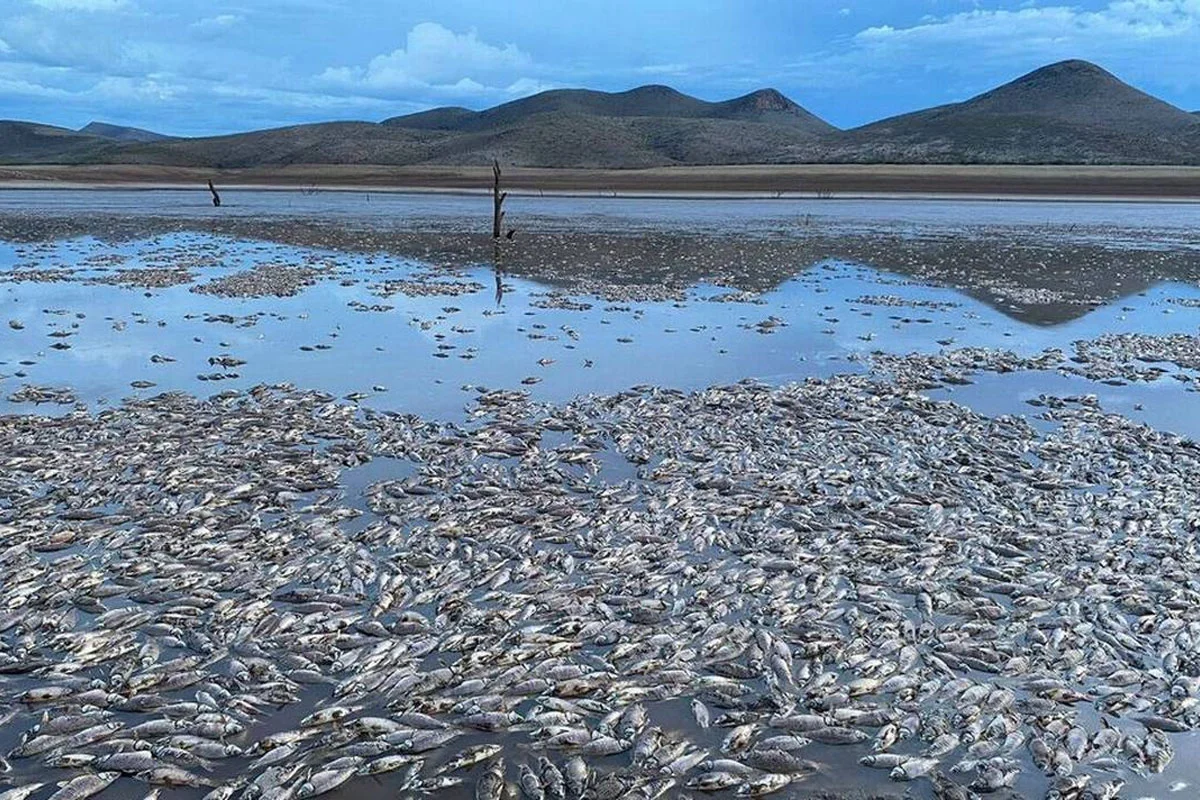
[{"x": 718, "y": 182}]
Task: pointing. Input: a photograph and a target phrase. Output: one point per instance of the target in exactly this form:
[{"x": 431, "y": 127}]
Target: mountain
[
  {"x": 121, "y": 133},
  {"x": 578, "y": 140},
  {"x": 446, "y": 118},
  {"x": 1069, "y": 112},
  {"x": 645, "y": 127},
  {"x": 33, "y": 143},
  {"x": 1072, "y": 112},
  {"x": 320, "y": 143},
  {"x": 546, "y": 140},
  {"x": 765, "y": 105}
]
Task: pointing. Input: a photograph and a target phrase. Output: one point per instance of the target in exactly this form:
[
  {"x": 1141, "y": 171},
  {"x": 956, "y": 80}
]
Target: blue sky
[{"x": 193, "y": 67}]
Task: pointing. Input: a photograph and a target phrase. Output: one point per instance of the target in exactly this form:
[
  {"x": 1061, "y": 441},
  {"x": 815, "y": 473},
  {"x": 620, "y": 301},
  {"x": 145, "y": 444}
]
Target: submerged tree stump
[{"x": 497, "y": 201}]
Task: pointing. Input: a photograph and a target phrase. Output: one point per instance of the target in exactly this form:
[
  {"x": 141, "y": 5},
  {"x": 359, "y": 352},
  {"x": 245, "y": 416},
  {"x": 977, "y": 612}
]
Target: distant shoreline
[{"x": 816, "y": 181}]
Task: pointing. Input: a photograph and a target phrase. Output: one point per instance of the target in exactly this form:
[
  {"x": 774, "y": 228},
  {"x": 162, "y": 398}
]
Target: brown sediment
[{"x": 999, "y": 181}]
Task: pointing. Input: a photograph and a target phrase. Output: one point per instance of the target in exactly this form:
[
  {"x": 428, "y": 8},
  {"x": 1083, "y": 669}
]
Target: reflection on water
[
  {"x": 1043, "y": 262},
  {"x": 625, "y": 213},
  {"x": 424, "y": 354}
]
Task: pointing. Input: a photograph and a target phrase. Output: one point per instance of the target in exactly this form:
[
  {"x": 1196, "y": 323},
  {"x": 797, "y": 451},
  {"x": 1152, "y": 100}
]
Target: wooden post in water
[
  {"x": 216, "y": 197},
  {"x": 497, "y": 201}
]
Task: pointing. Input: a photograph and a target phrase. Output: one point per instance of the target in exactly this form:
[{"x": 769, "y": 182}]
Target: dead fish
[
  {"x": 714, "y": 781},
  {"x": 779, "y": 761},
  {"x": 553, "y": 781},
  {"x": 21, "y": 792},
  {"x": 836, "y": 735},
  {"x": 764, "y": 785},
  {"x": 531, "y": 784},
  {"x": 385, "y": 764},
  {"x": 701, "y": 713},
  {"x": 470, "y": 757},
  {"x": 576, "y": 776},
  {"x": 172, "y": 776},
  {"x": 325, "y": 781},
  {"x": 913, "y": 768},
  {"x": 491, "y": 784},
  {"x": 84, "y": 786}
]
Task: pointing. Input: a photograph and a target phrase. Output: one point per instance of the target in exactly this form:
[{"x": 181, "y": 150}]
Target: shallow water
[
  {"x": 423, "y": 352},
  {"x": 429, "y": 355},
  {"x": 622, "y": 213}
]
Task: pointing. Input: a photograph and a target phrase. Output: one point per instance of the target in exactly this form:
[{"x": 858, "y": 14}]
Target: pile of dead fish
[
  {"x": 1117, "y": 355},
  {"x": 895, "y": 301},
  {"x": 31, "y": 393},
  {"x": 265, "y": 280},
  {"x": 37, "y": 275},
  {"x": 1021, "y": 294},
  {"x": 614, "y": 292},
  {"x": 737, "y": 296},
  {"x": 426, "y": 288},
  {"x": 148, "y": 277},
  {"x": 1112, "y": 358},
  {"x": 959, "y": 365},
  {"x": 747, "y": 589},
  {"x": 558, "y": 300}
]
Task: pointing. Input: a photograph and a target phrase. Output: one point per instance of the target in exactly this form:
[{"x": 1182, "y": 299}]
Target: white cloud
[
  {"x": 1038, "y": 32},
  {"x": 662, "y": 69},
  {"x": 435, "y": 57},
  {"x": 293, "y": 100},
  {"x": 527, "y": 86},
  {"x": 218, "y": 23},
  {"x": 4, "y": 47},
  {"x": 946, "y": 58},
  {"x": 16, "y": 87},
  {"x": 434, "y": 54},
  {"x": 32, "y": 81},
  {"x": 81, "y": 5},
  {"x": 137, "y": 89}
]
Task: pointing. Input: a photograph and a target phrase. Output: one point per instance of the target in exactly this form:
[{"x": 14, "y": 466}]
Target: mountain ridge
[
  {"x": 651, "y": 100},
  {"x": 1070, "y": 112}
]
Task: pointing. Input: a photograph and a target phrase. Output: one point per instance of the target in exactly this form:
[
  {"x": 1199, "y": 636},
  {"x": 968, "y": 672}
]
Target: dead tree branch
[
  {"x": 497, "y": 201},
  {"x": 216, "y": 197}
]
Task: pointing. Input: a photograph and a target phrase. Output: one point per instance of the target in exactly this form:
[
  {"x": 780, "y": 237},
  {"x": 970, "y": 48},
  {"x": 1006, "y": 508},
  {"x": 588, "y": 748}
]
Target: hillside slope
[
  {"x": 1069, "y": 112},
  {"x": 121, "y": 133},
  {"x": 764, "y": 105},
  {"x": 34, "y": 143}
]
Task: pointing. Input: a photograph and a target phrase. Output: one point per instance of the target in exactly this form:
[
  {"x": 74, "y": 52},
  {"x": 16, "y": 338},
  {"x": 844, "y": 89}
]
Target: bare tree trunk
[
  {"x": 497, "y": 201},
  {"x": 216, "y": 197}
]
